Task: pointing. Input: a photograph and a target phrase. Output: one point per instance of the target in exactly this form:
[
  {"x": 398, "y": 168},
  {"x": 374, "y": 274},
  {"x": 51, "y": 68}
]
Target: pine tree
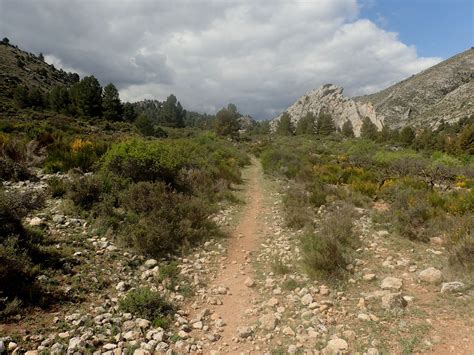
[
  {"x": 21, "y": 97},
  {"x": 348, "y": 129},
  {"x": 171, "y": 113},
  {"x": 129, "y": 112},
  {"x": 111, "y": 106},
  {"x": 285, "y": 126},
  {"x": 325, "y": 124},
  {"x": 306, "y": 125},
  {"x": 466, "y": 140},
  {"x": 86, "y": 96},
  {"x": 58, "y": 99},
  {"x": 407, "y": 136},
  {"x": 144, "y": 125},
  {"x": 368, "y": 129},
  {"x": 227, "y": 122}
]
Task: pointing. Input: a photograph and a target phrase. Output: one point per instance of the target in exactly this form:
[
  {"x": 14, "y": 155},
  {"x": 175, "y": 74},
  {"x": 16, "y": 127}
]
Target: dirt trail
[{"x": 238, "y": 268}]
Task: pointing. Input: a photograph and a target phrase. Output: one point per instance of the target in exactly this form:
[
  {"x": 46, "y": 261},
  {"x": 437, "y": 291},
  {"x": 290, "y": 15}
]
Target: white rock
[
  {"x": 268, "y": 321},
  {"x": 307, "y": 299},
  {"x": 288, "y": 331},
  {"x": 391, "y": 283},
  {"x": 121, "y": 286},
  {"x": 197, "y": 325},
  {"x": 57, "y": 349},
  {"x": 431, "y": 275},
  {"x": 393, "y": 300},
  {"x": 369, "y": 277},
  {"x": 363, "y": 317},
  {"x": 35, "y": 221},
  {"x": 451, "y": 286},
  {"x": 335, "y": 346},
  {"x": 272, "y": 302},
  {"x": 109, "y": 346},
  {"x": 141, "y": 352},
  {"x": 244, "y": 332},
  {"x": 131, "y": 335},
  {"x": 249, "y": 282},
  {"x": 151, "y": 263},
  {"x": 142, "y": 323},
  {"x": 12, "y": 346},
  {"x": 75, "y": 344}
]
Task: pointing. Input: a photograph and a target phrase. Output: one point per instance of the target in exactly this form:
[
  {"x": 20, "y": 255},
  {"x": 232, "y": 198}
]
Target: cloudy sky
[{"x": 260, "y": 55}]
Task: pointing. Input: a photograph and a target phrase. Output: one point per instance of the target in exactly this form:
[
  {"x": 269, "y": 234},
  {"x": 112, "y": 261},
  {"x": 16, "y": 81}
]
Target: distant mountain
[
  {"x": 444, "y": 92},
  {"x": 18, "y": 67},
  {"x": 329, "y": 99}
]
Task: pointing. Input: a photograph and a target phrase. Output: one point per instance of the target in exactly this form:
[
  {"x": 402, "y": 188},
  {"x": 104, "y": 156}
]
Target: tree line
[{"x": 451, "y": 138}]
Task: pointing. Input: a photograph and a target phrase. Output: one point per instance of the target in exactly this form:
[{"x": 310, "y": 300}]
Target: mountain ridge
[{"x": 442, "y": 92}]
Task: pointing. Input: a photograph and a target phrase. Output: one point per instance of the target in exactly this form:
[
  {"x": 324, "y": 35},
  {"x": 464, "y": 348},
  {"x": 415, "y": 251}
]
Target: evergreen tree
[
  {"x": 407, "y": 136},
  {"x": 306, "y": 125},
  {"x": 58, "y": 99},
  {"x": 227, "y": 122},
  {"x": 111, "y": 106},
  {"x": 325, "y": 124},
  {"x": 348, "y": 129},
  {"x": 86, "y": 96},
  {"x": 368, "y": 129},
  {"x": 466, "y": 140},
  {"x": 285, "y": 126},
  {"x": 21, "y": 97},
  {"x": 171, "y": 113},
  {"x": 144, "y": 125},
  {"x": 129, "y": 112},
  {"x": 5, "y": 40}
]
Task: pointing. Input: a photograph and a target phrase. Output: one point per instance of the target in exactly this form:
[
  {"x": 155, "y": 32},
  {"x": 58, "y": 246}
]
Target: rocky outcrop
[
  {"x": 329, "y": 99},
  {"x": 442, "y": 92}
]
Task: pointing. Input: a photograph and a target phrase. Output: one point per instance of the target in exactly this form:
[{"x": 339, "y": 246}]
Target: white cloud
[{"x": 261, "y": 55}]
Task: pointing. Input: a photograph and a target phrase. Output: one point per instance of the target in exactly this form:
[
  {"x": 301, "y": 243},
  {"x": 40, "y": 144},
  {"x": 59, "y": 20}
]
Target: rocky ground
[{"x": 249, "y": 294}]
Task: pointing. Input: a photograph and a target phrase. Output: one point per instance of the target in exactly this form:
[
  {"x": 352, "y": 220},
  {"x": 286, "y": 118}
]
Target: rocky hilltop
[
  {"x": 329, "y": 99},
  {"x": 442, "y": 92},
  {"x": 18, "y": 67}
]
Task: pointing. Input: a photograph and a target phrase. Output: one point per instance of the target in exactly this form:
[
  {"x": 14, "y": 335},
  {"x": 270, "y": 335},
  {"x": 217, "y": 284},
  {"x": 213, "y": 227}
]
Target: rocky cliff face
[
  {"x": 329, "y": 99},
  {"x": 444, "y": 92}
]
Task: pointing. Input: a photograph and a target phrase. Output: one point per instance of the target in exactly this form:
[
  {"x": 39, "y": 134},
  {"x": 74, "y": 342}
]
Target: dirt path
[{"x": 236, "y": 267}]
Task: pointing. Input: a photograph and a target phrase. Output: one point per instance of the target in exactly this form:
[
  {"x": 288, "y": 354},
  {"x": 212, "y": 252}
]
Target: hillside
[
  {"x": 442, "y": 92},
  {"x": 18, "y": 67}
]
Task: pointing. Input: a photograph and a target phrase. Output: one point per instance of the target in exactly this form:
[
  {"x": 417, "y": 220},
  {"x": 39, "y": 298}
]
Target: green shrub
[
  {"x": 279, "y": 267},
  {"x": 298, "y": 211},
  {"x": 412, "y": 210},
  {"x": 147, "y": 304},
  {"x": 24, "y": 252},
  {"x": 161, "y": 221},
  {"x": 57, "y": 187},
  {"x": 328, "y": 250},
  {"x": 461, "y": 244},
  {"x": 86, "y": 190}
]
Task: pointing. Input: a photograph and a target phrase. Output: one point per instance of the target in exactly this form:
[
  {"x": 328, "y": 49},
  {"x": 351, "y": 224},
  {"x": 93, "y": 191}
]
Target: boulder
[
  {"x": 393, "y": 300},
  {"x": 431, "y": 275},
  {"x": 268, "y": 321},
  {"x": 451, "y": 286},
  {"x": 335, "y": 346},
  {"x": 391, "y": 283}
]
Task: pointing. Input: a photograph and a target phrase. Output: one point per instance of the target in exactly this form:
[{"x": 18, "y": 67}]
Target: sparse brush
[
  {"x": 328, "y": 250},
  {"x": 148, "y": 304}
]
